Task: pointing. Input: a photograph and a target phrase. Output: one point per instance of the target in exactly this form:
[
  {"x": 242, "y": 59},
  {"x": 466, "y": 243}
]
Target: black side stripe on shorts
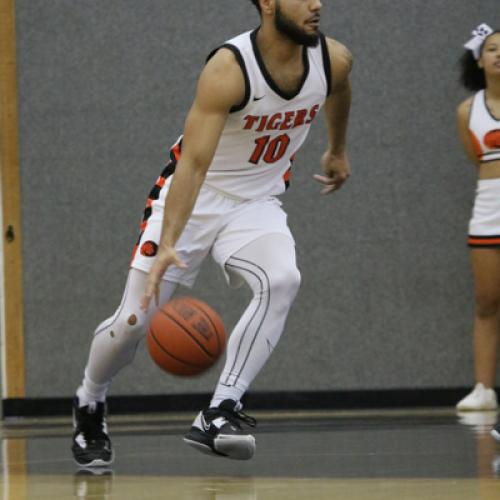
[{"x": 254, "y": 270}]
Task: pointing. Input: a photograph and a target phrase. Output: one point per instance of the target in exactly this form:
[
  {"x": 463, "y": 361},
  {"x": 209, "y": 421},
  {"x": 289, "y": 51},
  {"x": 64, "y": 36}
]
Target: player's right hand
[
  {"x": 337, "y": 171},
  {"x": 166, "y": 257}
]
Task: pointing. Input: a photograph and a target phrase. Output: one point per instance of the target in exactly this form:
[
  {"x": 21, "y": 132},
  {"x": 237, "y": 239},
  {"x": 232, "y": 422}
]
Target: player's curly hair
[
  {"x": 471, "y": 75},
  {"x": 256, "y": 3}
]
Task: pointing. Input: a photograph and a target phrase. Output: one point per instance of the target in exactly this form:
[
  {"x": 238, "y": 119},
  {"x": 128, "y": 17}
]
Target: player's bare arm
[
  {"x": 220, "y": 87},
  {"x": 334, "y": 162},
  {"x": 463, "y": 113}
]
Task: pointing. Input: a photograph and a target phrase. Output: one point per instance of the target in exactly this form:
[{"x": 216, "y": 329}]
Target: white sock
[
  {"x": 90, "y": 392},
  {"x": 224, "y": 393}
]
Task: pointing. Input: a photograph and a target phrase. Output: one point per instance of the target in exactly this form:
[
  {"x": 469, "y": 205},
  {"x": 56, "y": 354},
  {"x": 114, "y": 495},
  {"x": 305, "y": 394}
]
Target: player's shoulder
[
  {"x": 340, "y": 61},
  {"x": 224, "y": 67},
  {"x": 222, "y": 59},
  {"x": 221, "y": 79},
  {"x": 338, "y": 52}
]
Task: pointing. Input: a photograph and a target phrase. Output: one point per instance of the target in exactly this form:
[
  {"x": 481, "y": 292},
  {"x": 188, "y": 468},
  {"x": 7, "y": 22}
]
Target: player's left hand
[
  {"x": 166, "y": 257},
  {"x": 337, "y": 170}
]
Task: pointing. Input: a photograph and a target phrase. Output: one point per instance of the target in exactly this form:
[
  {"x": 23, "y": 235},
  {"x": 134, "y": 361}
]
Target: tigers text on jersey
[
  {"x": 484, "y": 130},
  {"x": 263, "y": 133}
]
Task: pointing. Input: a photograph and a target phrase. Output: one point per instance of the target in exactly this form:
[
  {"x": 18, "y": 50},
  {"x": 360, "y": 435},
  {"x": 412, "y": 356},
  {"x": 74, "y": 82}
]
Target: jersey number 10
[{"x": 269, "y": 150}]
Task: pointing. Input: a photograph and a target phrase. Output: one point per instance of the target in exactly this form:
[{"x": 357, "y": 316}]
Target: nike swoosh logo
[
  {"x": 258, "y": 98},
  {"x": 81, "y": 441},
  {"x": 206, "y": 427}
]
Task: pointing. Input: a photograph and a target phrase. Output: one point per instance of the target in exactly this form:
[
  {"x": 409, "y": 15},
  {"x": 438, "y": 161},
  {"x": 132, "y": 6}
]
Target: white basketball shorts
[{"x": 218, "y": 225}]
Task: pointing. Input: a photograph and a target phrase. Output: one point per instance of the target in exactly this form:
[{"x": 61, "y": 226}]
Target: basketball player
[
  {"x": 256, "y": 99},
  {"x": 479, "y": 128}
]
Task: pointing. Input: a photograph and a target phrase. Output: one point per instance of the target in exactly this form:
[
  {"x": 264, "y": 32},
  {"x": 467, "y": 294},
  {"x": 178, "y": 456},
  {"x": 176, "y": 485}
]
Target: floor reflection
[
  {"x": 392, "y": 455},
  {"x": 14, "y": 465},
  {"x": 94, "y": 484},
  {"x": 488, "y": 450}
]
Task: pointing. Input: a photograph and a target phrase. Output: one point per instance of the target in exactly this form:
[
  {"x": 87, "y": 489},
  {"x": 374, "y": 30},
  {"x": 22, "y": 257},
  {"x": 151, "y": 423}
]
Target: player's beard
[{"x": 292, "y": 31}]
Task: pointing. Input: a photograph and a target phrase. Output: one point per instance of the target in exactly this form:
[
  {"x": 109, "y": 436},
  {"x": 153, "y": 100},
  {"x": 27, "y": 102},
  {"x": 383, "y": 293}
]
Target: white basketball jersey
[
  {"x": 484, "y": 130},
  {"x": 262, "y": 134}
]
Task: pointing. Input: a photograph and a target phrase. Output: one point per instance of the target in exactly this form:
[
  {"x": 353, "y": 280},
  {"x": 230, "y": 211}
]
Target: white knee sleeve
[
  {"x": 268, "y": 266},
  {"x": 116, "y": 339}
]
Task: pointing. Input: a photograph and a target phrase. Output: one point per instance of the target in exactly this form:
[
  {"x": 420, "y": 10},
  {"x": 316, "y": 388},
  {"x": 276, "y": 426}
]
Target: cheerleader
[{"x": 479, "y": 130}]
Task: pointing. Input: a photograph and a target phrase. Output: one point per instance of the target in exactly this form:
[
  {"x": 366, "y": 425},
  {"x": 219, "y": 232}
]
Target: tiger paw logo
[
  {"x": 149, "y": 249},
  {"x": 492, "y": 139}
]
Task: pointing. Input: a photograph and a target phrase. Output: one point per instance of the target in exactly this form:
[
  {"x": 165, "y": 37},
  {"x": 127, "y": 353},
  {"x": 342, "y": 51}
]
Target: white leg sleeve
[
  {"x": 268, "y": 266},
  {"x": 116, "y": 339}
]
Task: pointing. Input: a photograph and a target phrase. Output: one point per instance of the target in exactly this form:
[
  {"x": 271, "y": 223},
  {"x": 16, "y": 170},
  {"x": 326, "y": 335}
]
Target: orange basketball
[{"x": 186, "y": 336}]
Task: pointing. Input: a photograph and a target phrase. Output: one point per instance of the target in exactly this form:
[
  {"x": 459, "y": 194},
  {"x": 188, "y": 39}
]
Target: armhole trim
[
  {"x": 326, "y": 64},
  {"x": 241, "y": 62}
]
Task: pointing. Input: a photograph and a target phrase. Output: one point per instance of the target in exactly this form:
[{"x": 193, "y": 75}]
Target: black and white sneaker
[
  {"x": 218, "y": 431},
  {"x": 91, "y": 444},
  {"x": 495, "y": 432}
]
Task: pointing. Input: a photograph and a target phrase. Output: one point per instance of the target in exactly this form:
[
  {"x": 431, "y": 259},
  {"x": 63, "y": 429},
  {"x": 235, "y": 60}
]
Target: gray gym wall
[{"x": 386, "y": 299}]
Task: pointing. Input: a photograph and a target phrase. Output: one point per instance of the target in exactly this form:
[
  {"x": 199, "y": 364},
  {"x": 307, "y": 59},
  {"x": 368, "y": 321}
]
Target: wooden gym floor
[{"x": 377, "y": 455}]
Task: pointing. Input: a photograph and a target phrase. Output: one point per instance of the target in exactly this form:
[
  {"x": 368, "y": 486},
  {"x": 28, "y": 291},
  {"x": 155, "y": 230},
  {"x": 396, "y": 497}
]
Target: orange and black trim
[
  {"x": 286, "y": 177},
  {"x": 288, "y": 174},
  {"x": 492, "y": 241},
  {"x": 154, "y": 194}
]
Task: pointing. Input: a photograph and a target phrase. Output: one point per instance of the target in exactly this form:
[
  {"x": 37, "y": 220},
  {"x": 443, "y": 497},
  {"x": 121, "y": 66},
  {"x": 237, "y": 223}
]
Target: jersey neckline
[
  {"x": 268, "y": 78},
  {"x": 488, "y": 108}
]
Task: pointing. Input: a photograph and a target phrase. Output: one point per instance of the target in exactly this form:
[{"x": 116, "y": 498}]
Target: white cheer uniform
[{"x": 484, "y": 131}]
